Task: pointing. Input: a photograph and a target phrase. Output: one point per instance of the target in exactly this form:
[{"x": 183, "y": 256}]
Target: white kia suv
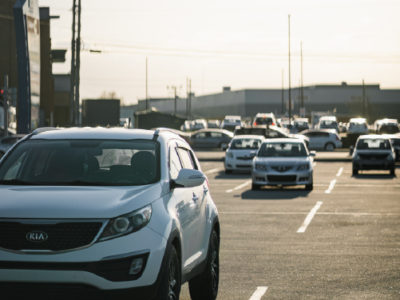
[{"x": 104, "y": 211}]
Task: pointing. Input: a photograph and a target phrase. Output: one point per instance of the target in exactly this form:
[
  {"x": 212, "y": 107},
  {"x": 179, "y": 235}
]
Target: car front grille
[
  {"x": 245, "y": 157},
  {"x": 281, "y": 178},
  {"x": 373, "y": 156},
  {"x": 62, "y": 235},
  {"x": 281, "y": 168}
]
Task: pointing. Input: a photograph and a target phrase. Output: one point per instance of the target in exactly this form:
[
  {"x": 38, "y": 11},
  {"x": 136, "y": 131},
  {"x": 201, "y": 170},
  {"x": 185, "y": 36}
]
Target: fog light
[{"x": 136, "y": 266}]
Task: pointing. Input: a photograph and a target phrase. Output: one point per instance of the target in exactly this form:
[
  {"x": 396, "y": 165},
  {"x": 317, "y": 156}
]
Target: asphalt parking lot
[{"x": 339, "y": 241}]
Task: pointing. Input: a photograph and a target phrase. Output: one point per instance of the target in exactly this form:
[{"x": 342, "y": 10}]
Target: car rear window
[
  {"x": 376, "y": 144},
  {"x": 245, "y": 143}
]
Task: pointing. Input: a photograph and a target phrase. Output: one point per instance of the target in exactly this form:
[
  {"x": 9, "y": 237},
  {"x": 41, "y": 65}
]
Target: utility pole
[
  {"x": 72, "y": 75},
  {"x": 363, "y": 100},
  {"x": 78, "y": 64},
  {"x": 290, "y": 94},
  {"x": 283, "y": 95},
  {"x": 188, "y": 96},
  {"x": 5, "y": 105},
  {"x": 175, "y": 100},
  {"x": 147, "y": 96},
  {"x": 302, "y": 109}
]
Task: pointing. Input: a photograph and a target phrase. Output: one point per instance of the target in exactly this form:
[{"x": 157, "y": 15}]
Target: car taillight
[
  {"x": 255, "y": 124},
  {"x": 273, "y": 124}
]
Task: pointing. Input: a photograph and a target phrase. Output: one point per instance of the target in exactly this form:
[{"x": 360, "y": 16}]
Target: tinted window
[
  {"x": 282, "y": 149},
  {"x": 82, "y": 162},
  {"x": 216, "y": 135}
]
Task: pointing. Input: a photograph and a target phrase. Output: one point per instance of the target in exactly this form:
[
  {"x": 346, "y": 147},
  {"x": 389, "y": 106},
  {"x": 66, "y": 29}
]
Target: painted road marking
[
  {"x": 260, "y": 291},
  {"x": 309, "y": 217},
  {"x": 331, "y": 186},
  {"x": 240, "y": 186},
  {"x": 216, "y": 170},
  {"x": 339, "y": 172}
]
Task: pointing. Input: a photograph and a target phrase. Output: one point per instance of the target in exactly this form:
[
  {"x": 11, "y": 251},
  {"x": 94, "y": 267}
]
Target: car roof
[
  {"x": 283, "y": 140},
  {"x": 373, "y": 136},
  {"x": 248, "y": 136},
  {"x": 117, "y": 133}
]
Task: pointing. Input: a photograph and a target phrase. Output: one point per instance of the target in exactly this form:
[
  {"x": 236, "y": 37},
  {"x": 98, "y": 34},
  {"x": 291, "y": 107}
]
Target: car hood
[
  {"x": 74, "y": 202},
  {"x": 282, "y": 161}
]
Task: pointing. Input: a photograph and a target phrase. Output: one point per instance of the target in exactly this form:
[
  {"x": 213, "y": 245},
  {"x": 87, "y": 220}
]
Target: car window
[
  {"x": 200, "y": 135},
  {"x": 186, "y": 159},
  {"x": 216, "y": 134},
  {"x": 285, "y": 149},
  {"x": 245, "y": 143},
  {"x": 174, "y": 163},
  {"x": 83, "y": 162},
  {"x": 375, "y": 144}
]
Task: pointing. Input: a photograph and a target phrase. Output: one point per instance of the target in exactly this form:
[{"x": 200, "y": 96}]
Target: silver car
[{"x": 283, "y": 162}]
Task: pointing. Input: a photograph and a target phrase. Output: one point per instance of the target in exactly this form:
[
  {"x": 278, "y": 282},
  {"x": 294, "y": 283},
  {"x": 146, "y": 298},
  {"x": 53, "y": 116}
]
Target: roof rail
[{"x": 44, "y": 129}]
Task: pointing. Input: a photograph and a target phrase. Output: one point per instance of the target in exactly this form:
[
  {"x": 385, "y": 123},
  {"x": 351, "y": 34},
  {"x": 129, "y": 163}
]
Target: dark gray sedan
[{"x": 211, "y": 138}]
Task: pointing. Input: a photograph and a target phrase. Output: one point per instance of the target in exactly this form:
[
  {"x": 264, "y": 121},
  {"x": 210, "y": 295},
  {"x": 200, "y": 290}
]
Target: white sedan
[
  {"x": 283, "y": 162},
  {"x": 241, "y": 151}
]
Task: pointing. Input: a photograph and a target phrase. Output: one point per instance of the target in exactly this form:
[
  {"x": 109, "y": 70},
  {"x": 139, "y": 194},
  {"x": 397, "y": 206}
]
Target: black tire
[
  {"x": 228, "y": 171},
  {"x": 309, "y": 187},
  {"x": 170, "y": 286},
  {"x": 329, "y": 147},
  {"x": 205, "y": 285},
  {"x": 355, "y": 172},
  {"x": 255, "y": 187},
  {"x": 393, "y": 172}
]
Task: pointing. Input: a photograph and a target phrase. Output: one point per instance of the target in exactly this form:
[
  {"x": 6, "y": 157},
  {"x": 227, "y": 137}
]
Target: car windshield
[
  {"x": 245, "y": 143},
  {"x": 82, "y": 162},
  {"x": 374, "y": 144},
  {"x": 264, "y": 121},
  {"x": 286, "y": 149}
]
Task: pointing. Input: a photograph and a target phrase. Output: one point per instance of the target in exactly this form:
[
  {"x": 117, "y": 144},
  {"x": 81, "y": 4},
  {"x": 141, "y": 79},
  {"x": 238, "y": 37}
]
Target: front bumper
[
  {"x": 364, "y": 164},
  {"x": 235, "y": 164},
  {"x": 286, "y": 178},
  {"x": 103, "y": 266}
]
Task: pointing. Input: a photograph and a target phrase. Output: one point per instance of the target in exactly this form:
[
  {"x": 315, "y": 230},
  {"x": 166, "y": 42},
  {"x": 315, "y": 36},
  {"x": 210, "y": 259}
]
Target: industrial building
[{"x": 344, "y": 100}]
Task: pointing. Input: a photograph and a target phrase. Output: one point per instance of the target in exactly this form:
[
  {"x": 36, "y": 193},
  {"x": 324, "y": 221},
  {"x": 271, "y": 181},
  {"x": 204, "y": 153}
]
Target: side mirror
[
  {"x": 351, "y": 150},
  {"x": 224, "y": 146},
  {"x": 188, "y": 178},
  {"x": 313, "y": 153}
]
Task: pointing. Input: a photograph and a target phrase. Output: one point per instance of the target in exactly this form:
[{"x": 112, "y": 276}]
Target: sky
[{"x": 216, "y": 43}]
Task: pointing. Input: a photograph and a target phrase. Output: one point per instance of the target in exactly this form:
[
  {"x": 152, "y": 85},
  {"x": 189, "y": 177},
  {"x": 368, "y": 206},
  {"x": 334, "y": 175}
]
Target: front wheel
[
  {"x": 355, "y": 172},
  {"x": 309, "y": 187},
  {"x": 329, "y": 147},
  {"x": 170, "y": 286},
  {"x": 393, "y": 171},
  {"x": 205, "y": 285}
]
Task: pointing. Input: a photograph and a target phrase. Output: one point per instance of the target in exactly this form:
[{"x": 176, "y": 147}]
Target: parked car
[
  {"x": 283, "y": 162},
  {"x": 387, "y": 126},
  {"x": 213, "y": 124},
  {"x": 231, "y": 122},
  {"x": 187, "y": 125},
  {"x": 264, "y": 119},
  {"x": 116, "y": 210},
  {"x": 241, "y": 151},
  {"x": 199, "y": 124},
  {"x": 211, "y": 139},
  {"x": 301, "y": 124},
  {"x": 8, "y": 141},
  {"x": 357, "y": 126},
  {"x": 328, "y": 122},
  {"x": 395, "y": 139},
  {"x": 270, "y": 132},
  {"x": 373, "y": 152},
  {"x": 323, "y": 139}
]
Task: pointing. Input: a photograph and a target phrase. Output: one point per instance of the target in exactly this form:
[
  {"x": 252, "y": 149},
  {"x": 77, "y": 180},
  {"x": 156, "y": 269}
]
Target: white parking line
[
  {"x": 331, "y": 186},
  {"x": 213, "y": 171},
  {"x": 309, "y": 217},
  {"x": 240, "y": 186},
  {"x": 339, "y": 172},
  {"x": 260, "y": 291}
]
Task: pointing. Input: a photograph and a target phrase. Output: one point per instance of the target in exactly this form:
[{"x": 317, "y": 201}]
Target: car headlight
[
  {"x": 356, "y": 157},
  {"x": 229, "y": 154},
  {"x": 261, "y": 167},
  {"x": 303, "y": 167},
  {"x": 126, "y": 224},
  {"x": 390, "y": 157}
]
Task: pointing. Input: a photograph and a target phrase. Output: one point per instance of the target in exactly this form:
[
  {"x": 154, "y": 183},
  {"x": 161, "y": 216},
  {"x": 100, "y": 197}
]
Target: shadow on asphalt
[
  {"x": 374, "y": 176},
  {"x": 275, "y": 193},
  {"x": 242, "y": 175}
]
